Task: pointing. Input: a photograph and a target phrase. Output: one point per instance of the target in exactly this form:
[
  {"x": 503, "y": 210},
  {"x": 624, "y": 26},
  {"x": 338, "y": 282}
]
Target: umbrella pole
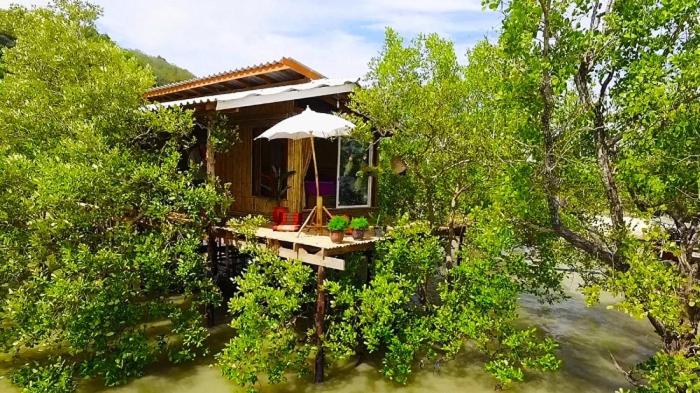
[{"x": 319, "y": 198}]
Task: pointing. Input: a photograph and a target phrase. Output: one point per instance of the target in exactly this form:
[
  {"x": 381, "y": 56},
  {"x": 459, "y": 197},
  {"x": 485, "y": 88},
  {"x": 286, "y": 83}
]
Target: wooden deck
[{"x": 310, "y": 248}]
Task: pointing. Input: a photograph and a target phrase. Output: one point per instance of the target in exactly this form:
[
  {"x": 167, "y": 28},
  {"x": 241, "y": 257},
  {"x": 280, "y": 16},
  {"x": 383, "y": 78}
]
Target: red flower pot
[{"x": 278, "y": 213}]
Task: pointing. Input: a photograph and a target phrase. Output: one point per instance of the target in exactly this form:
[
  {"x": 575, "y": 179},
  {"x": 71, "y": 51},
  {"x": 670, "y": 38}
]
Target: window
[
  {"x": 267, "y": 154},
  {"x": 354, "y": 185}
]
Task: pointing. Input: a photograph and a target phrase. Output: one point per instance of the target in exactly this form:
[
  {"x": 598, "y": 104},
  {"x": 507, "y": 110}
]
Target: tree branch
[{"x": 594, "y": 249}]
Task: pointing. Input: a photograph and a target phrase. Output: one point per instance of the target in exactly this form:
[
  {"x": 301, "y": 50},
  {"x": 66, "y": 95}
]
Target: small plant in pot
[
  {"x": 378, "y": 228},
  {"x": 359, "y": 225},
  {"x": 337, "y": 226},
  {"x": 278, "y": 190}
]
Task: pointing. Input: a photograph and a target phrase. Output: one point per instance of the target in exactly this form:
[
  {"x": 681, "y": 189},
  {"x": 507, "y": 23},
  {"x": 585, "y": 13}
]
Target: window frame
[{"x": 370, "y": 181}]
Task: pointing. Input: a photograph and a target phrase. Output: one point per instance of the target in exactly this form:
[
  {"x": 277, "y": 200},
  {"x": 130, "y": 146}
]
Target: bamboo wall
[
  {"x": 235, "y": 165},
  {"x": 298, "y": 160}
]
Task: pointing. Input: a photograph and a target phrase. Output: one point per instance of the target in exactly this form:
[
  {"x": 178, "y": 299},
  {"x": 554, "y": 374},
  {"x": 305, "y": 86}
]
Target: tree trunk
[
  {"x": 603, "y": 152},
  {"x": 551, "y": 180},
  {"x": 319, "y": 363}
]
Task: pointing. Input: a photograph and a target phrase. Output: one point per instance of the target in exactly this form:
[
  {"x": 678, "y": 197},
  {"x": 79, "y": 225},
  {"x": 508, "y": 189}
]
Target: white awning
[{"x": 315, "y": 88}]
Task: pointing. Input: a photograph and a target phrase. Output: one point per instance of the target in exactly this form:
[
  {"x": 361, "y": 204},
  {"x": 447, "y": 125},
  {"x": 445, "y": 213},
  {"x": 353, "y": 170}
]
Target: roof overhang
[
  {"x": 316, "y": 88},
  {"x": 275, "y": 73}
]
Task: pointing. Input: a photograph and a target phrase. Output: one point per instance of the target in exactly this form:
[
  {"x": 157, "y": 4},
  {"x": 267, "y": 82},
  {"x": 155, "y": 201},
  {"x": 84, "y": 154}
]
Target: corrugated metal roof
[
  {"x": 280, "y": 68},
  {"x": 218, "y": 74},
  {"x": 315, "y": 88}
]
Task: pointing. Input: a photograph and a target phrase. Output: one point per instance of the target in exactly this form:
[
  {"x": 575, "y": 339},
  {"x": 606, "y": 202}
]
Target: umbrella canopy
[
  {"x": 308, "y": 124},
  {"x": 311, "y": 124}
]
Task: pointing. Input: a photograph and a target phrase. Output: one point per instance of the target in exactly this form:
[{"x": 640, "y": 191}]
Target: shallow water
[{"x": 587, "y": 337}]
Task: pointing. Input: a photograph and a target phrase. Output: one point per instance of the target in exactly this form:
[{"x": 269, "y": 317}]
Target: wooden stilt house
[{"x": 256, "y": 98}]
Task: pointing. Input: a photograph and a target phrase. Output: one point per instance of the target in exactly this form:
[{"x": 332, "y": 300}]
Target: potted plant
[
  {"x": 359, "y": 225},
  {"x": 337, "y": 226},
  {"x": 378, "y": 228},
  {"x": 278, "y": 190}
]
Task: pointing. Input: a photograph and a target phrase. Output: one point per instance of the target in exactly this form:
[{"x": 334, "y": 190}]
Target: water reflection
[{"x": 587, "y": 338}]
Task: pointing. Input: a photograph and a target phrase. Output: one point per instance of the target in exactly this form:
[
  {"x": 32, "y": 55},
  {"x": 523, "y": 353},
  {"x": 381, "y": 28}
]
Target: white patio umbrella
[{"x": 310, "y": 124}]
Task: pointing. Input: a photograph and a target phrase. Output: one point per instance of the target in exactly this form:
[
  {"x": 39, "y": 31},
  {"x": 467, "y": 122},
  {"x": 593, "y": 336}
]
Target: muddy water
[{"x": 587, "y": 337}]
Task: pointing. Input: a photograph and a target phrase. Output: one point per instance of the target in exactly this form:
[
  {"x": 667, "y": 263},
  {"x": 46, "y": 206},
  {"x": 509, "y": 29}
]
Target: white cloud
[
  {"x": 428, "y": 6},
  {"x": 337, "y": 38}
]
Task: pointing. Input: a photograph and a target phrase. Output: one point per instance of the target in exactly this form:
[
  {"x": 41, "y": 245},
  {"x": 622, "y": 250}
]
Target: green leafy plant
[
  {"x": 266, "y": 316},
  {"x": 54, "y": 376},
  {"x": 607, "y": 164},
  {"x": 280, "y": 184},
  {"x": 359, "y": 223},
  {"x": 338, "y": 224},
  {"x": 100, "y": 225},
  {"x": 399, "y": 318}
]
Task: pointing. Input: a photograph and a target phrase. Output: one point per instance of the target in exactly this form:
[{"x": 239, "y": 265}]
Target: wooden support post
[
  {"x": 320, "y": 316},
  {"x": 211, "y": 253},
  {"x": 364, "y": 278},
  {"x": 319, "y": 211}
]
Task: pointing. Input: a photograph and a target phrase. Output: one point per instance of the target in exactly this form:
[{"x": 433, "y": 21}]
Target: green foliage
[
  {"x": 412, "y": 312},
  {"x": 608, "y": 113},
  {"x": 440, "y": 145},
  {"x": 423, "y": 302},
  {"x": 390, "y": 319},
  {"x": 223, "y": 132},
  {"x": 668, "y": 373},
  {"x": 267, "y": 315},
  {"x": 338, "y": 223},
  {"x": 126, "y": 359},
  {"x": 359, "y": 223},
  {"x": 164, "y": 72},
  {"x": 56, "y": 376},
  {"x": 100, "y": 227},
  {"x": 414, "y": 309},
  {"x": 247, "y": 226},
  {"x": 342, "y": 338}
]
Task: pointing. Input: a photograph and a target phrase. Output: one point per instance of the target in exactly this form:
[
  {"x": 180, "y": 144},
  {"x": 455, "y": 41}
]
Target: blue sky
[{"x": 337, "y": 38}]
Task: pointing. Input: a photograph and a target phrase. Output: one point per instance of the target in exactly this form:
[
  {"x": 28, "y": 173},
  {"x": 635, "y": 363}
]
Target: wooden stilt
[
  {"x": 319, "y": 211},
  {"x": 364, "y": 277},
  {"x": 319, "y": 363},
  {"x": 211, "y": 253}
]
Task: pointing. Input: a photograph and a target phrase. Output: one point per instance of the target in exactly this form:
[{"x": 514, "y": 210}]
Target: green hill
[{"x": 165, "y": 72}]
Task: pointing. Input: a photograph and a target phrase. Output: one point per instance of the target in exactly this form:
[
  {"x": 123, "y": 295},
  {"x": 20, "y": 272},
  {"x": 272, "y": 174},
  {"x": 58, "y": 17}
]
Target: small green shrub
[
  {"x": 338, "y": 223},
  {"x": 53, "y": 377},
  {"x": 359, "y": 223}
]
